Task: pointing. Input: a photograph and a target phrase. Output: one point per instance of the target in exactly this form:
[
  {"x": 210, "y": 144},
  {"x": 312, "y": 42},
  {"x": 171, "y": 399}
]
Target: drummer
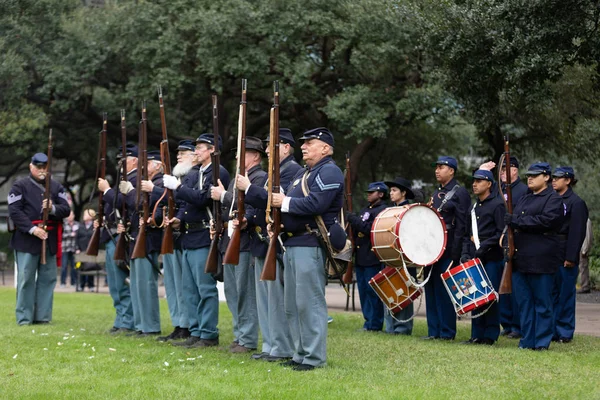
[
  {"x": 485, "y": 223},
  {"x": 452, "y": 202},
  {"x": 366, "y": 263},
  {"x": 398, "y": 324}
]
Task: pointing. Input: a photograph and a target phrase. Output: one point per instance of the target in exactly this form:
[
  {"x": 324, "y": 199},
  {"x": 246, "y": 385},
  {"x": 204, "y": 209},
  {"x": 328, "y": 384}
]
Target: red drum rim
[
  {"x": 411, "y": 299},
  {"x": 461, "y": 267},
  {"x": 477, "y": 303}
]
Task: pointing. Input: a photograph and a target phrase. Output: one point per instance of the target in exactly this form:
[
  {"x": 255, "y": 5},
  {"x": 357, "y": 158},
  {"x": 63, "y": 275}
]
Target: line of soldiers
[
  {"x": 549, "y": 222},
  {"x": 291, "y": 312}
]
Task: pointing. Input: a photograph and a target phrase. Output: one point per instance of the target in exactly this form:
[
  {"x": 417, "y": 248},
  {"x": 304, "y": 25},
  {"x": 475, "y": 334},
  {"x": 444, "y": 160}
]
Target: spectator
[
  {"x": 69, "y": 246},
  {"x": 84, "y": 234}
]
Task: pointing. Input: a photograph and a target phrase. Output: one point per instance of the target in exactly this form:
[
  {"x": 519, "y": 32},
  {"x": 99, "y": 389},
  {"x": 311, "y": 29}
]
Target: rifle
[
  {"x": 94, "y": 244},
  {"x": 232, "y": 254},
  {"x": 347, "y": 278},
  {"x": 212, "y": 261},
  {"x": 47, "y": 196},
  {"x": 273, "y": 215},
  {"x": 121, "y": 246},
  {"x": 139, "y": 250},
  {"x": 167, "y": 240},
  {"x": 506, "y": 282}
]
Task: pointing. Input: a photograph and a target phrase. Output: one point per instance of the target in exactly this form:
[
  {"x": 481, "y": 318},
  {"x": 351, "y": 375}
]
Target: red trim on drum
[
  {"x": 461, "y": 267},
  {"x": 477, "y": 303}
]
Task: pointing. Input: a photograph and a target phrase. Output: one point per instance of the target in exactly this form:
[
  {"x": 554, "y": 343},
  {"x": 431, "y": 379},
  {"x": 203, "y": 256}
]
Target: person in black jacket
[
  {"x": 572, "y": 235},
  {"x": 452, "y": 202},
  {"x": 536, "y": 220},
  {"x": 485, "y": 224},
  {"x": 84, "y": 234},
  {"x": 36, "y": 281},
  {"x": 366, "y": 263}
]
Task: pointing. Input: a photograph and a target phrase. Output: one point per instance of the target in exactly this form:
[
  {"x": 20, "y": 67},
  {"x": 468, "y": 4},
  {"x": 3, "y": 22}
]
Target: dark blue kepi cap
[
  {"x": 483, "y": 175},
  {"x": 539, "y": 168},
  {"x": 186, "y": 145},
  {"x": 446, "y": 160},
  {"x": 322, "y": 134},
  {"x": 153, "y": 155},
  {"x": 285, "y": 136},
  {"x": 210, "y": 139},
  {"x": 514, "y": 162},
  {"x": 564, "y": 172},
  {"x": 377, "y": 187},
  {"x": 131, "y": 150},
  {"x": 39, "y": 158}
]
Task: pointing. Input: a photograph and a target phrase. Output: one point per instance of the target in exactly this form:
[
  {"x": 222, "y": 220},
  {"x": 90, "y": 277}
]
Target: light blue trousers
[
  {"x": 144, "y": 293},
  {"x": 238, "y": 283},
  {"x": 276, "y": 336},
  {"x": 35, "y": 294},
  {"x": 305, "y": 305},
  {"x": 200, "y": 294},
  {"x": 173, "y": 278},
  {"x": 118, "y": 289}
]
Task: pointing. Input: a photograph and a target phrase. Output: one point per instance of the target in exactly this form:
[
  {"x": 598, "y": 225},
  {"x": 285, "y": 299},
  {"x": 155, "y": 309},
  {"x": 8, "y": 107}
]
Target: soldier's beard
[
  {"x": 181, "y": 169},
  {"x": 41, "y": 177}
]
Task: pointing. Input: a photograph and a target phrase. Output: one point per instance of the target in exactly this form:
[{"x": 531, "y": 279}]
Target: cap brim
[{"x": 535, "y": 172}]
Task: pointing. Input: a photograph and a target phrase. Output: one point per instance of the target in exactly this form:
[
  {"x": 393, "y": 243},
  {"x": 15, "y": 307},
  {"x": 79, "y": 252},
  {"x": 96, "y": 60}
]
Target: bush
[{"x": 595, "y": 272}]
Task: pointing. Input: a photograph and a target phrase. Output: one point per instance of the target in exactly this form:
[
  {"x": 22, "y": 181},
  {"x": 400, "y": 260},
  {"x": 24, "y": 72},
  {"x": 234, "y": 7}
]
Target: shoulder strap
[{"x": 448, "y": 196}]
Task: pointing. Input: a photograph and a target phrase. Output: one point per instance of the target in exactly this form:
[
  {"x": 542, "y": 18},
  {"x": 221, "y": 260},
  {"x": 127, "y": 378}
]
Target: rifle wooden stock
[
  {"x": 94, "y": 243},
  {"x": 121, "y": 246},
  {"x": 349, "y": 274},
  {"x": 232, "y": 254},
  {"x": 506, "y": 282},
  {"x": 47, "y": 196},
  {"x": 273, "y": 216},
  {"x": 139, "y": 249},
  {"x": 212, "y": 261},
  {"x": 166, "y": 246}
]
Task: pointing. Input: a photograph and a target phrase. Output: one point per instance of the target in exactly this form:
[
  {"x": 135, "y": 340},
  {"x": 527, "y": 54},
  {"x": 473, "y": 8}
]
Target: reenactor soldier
[
  {"x": 116, "y": 276},
  {"x": 200, "y": 289},
  {"x": 485, "y": 224},
  {"x": 36, "y": 281},
  {"x": 572, "y": 234},
  {"x": 366, "y": 263},
  {"x": 536, "y": 221},
  {"x": 452, "y": 202},
  {"x": 239, "y": 280},
  {"x": 144, "y": 270},
  {"x": 315, "y": 191},
  {"x": 276, "y": 337},
  {"x": 172, "y": 272},
  {"x": 509, "y": 312},
  {"x": 401, "y": 323}
]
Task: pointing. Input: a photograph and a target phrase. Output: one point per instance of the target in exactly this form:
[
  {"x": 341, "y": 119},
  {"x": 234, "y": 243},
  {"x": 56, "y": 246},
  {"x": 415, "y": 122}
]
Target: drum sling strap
[{"x": 323, "y": 237}]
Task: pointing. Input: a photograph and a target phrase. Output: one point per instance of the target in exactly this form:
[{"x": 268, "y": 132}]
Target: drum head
[{"x": 421, "y": 235}]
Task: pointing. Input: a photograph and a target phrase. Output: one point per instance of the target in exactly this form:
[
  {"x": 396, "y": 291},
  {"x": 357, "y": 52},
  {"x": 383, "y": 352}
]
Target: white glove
[
  {"x": 171, "y": 182},
  {"x": 125, "y": 187}
]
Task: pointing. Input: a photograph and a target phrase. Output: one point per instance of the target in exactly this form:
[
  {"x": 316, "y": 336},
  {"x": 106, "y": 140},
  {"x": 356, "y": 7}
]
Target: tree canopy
[{"x": 398, "y": 82}]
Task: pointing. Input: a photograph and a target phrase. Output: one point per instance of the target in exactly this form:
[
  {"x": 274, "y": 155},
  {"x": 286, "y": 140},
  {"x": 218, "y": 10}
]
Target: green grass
[{"x": 360, "y": 365}]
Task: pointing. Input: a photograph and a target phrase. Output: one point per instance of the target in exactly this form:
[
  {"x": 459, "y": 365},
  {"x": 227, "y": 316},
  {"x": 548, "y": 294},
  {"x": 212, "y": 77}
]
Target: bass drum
[{"x": 413, "y": 235}]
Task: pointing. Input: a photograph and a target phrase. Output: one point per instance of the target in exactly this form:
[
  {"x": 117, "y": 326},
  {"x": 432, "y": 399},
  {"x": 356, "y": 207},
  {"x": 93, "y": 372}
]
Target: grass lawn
[{"x": 73, "y": 358}]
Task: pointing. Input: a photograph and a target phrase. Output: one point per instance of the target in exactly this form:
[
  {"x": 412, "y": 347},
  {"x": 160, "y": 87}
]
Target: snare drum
[
  {"x": 415, "y": 233},
  {"x": 469, "y": 286},
  {"x": 394, "y": 288}
]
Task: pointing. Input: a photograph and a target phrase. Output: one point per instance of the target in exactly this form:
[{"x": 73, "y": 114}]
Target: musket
[
  {"x": 232, "y": 254},
  {"x": 47, "y": 196},
  {"x": 121, "y": 246},
  {"x": 94, "y": 244},
  {"x": 139, "y": 250},
  {"x": 167, "y": 240},
  {"x": 273, "y": 214},
  {"x": 212, "y": 261},
  {"x": 506, "y": 282},
  {"x": 348, "y": 276}
]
